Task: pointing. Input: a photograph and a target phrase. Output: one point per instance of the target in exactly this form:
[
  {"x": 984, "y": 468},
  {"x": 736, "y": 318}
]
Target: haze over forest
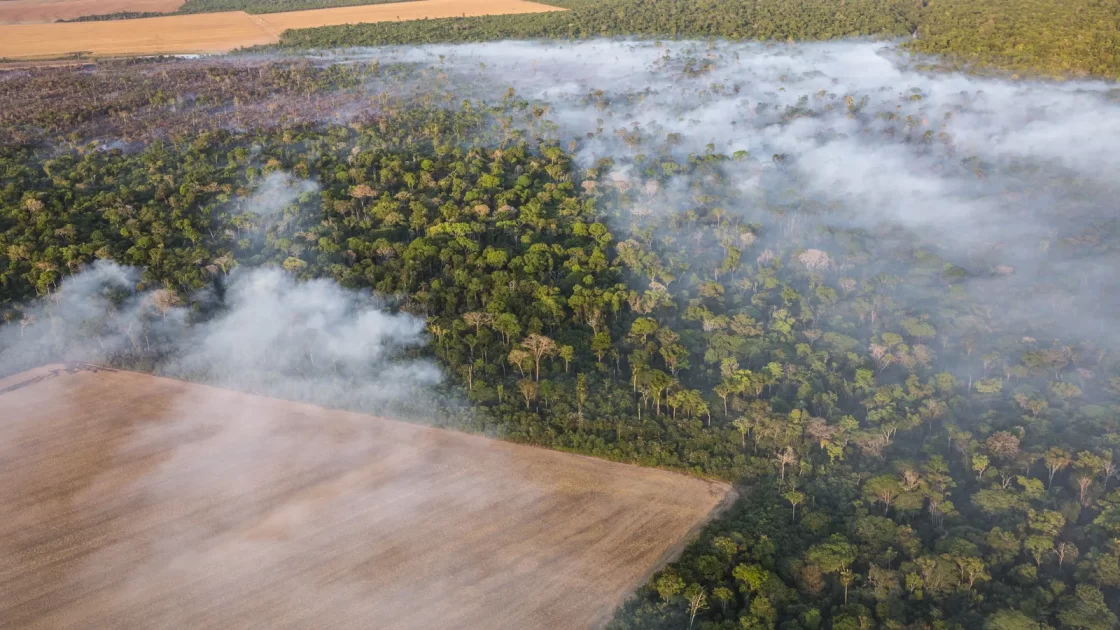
[{"x": 876, "y": 295}]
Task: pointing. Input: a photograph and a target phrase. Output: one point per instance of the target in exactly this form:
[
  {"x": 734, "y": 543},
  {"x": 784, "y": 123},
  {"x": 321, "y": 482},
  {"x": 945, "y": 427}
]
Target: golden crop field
[
  {"x": 35, "y": 11},
  {"x": 221, "y": 32},
  {"x": 280, "y": 22},
  {"x": 133, "y": 501}
]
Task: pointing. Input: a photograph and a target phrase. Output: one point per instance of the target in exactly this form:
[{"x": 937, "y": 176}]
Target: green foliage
[
  {"x": 730, "y": 19},
  {"x": 1068, "y": 38},
  {"x": 1011, "y": 620},
  {"x": 1087, "y": 610},
  {"x": 1076, "y": 38}
]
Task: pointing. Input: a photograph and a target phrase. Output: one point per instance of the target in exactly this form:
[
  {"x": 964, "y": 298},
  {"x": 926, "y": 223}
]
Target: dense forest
[
  {"x": 915, "y": 387},
  {"x": 1070, "y": 38},
  {"x": 734, "y": 19},
  {"x": 1074, "y": 38}
]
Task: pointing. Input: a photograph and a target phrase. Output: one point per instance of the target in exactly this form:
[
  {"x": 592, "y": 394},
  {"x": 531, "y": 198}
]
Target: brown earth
[
  {"x": 132, "y": 501},
  {"x": 34, "y": 11},
  {"x": 221, "y": 32}
]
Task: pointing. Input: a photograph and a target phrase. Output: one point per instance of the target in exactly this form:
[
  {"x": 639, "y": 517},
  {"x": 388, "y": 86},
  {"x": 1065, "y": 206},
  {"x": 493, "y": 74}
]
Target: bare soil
[
  {"x": 219, "y": 32},
  {"x": 133, "y": 501},
  {"x": 34, "y": 11}
]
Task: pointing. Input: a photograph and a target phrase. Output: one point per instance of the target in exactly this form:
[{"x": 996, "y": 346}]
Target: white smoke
[
  {"x": 988, "y": 173},
  {"x": 306, "y": 340},
  {"x": 278, "y": 191},
  {"x": 270, "y": 334}
]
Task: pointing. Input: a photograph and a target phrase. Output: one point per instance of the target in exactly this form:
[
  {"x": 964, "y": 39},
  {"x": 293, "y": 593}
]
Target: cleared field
[
  {"x": 221, "y": 32},
  {"x": 142, "y": 502},
  {"x": 33, "y": 11}
]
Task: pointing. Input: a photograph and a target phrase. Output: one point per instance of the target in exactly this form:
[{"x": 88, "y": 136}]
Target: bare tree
[
  {"x": 785, "y": 458},
  {"x": 517, "y": 357},
  {"x": 910, "y": 480},
  {"x": 1056, "y": 459},
  {"x": 478, "y": 320},
  {"x": 539, "y": 346},
  {"x": 1065, "y": 551},
  {"x": 26, "y": 320},
  {"x": 815, "y": 259},
  {"x": 1003, "y": 445},
  {"x": 164, "y": 300},
  {"x": 529, "y": 390}
]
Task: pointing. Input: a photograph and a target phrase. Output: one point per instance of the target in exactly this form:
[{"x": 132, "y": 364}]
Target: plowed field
[
  {"x": 132, "y": 501},
  {"x": 221, "y": 32}
]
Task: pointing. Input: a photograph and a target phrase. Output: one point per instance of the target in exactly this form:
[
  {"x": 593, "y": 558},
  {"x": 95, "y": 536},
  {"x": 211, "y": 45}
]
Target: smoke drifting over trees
[
  {"x": 1010, "y": 182},
  {"x": 267, "y": 334},
  {"x": 279, "y": 189}
]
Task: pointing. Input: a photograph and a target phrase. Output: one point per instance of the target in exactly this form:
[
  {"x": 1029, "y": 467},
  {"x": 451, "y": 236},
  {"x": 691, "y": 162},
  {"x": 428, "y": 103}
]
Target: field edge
[{"x": 671, "y": 555}]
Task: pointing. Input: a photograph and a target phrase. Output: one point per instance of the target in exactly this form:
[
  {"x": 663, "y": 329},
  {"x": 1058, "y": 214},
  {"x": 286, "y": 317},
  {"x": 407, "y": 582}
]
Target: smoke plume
[
  {"x": 276, "y": 192},
  {"x": 268, "y": 333}
]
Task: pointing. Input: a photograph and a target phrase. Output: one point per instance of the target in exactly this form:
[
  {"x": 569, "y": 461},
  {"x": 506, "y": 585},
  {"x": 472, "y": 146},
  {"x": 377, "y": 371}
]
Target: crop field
[
  {"x": 202, "y": 33},
  {"x": 138, "y": 501},
  {"x": 220, "y": 32},
  {"x": 34, "y": 11}
]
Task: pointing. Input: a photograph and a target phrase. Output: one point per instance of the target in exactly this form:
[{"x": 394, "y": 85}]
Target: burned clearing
[{"x": 139, "y": 501}]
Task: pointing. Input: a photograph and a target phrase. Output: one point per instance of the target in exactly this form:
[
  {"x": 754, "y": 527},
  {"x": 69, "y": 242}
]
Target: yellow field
[
  {"x": 222, "y": 32},
  {"x": 399, "y": 11},
  {"x": 33, "y": 11}
]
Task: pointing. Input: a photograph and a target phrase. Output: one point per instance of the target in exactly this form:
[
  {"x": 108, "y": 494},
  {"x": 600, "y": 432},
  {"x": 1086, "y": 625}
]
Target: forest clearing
[
  {"x": 220, "y": 32},
  {"x": 140, "y": 501}
]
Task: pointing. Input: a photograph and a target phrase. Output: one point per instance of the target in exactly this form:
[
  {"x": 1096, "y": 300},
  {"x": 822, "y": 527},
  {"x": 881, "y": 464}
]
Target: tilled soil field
[{"x": 132, "y": 501}]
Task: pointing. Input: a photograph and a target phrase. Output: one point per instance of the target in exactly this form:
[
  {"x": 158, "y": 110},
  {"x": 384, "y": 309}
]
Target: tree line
[{"x": 270, "y": 6}]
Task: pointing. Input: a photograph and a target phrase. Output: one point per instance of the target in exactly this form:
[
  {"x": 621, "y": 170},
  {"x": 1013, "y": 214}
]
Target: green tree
[
  {"x": 795, "y": 498},
  {"x": 1086, "y": 610}
]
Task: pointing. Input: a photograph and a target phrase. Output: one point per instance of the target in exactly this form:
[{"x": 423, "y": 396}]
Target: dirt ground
[
  {"x": 34, "y": 11},
  {"x": 220, "y": 32},
  {"x": 132, "y": 501}
]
